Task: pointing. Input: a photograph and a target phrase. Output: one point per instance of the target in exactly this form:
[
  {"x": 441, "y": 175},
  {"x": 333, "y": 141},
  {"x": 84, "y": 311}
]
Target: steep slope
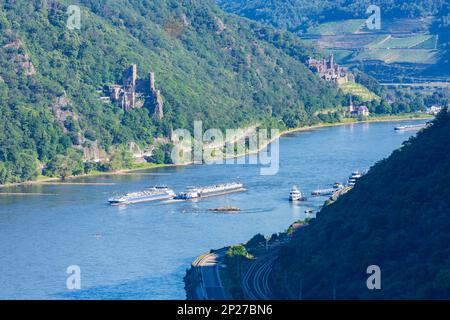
[
  {"x": 297, "y": 15},
  {"x": 339, "y": 26},
  {"x": 396, "y": 217},
  {"x": 208, "y": 65}
]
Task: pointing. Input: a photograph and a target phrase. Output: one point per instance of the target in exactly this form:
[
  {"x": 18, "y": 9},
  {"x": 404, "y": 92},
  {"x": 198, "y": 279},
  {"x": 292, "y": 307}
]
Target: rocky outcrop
[
  {"x": 21, "y": 59},
  {"x": 156, "y": 96},
  {"x": 61, "y": 109},
  {"x": 139, "y": 153},
  {"x": 220, "y": 26},
  {"x": 92, "y": 152}
]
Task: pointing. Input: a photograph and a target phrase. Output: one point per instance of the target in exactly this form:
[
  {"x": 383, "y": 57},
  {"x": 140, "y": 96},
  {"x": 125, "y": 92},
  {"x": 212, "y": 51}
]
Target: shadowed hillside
[{"x": 396, "y": 217}]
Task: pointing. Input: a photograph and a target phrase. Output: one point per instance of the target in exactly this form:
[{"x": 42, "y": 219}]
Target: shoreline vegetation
[
  {"x": 292, "y": 274},
  {"x": 147, "y": 165}
]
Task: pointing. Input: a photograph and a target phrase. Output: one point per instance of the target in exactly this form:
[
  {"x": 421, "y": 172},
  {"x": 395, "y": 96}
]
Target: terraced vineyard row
[
  {"x": 400, "y": 41},
  {"x": 426, "y": 41}
]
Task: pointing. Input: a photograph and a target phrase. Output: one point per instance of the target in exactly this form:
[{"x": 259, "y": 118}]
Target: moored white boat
[
  {"x": 353, "y": 178},
  {"x": 296, "y": 195}
]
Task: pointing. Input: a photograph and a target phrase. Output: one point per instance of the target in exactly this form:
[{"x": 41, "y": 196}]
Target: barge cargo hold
[
  {"x": 209, "y": 191},
  {"x": 149, "y": 194}
]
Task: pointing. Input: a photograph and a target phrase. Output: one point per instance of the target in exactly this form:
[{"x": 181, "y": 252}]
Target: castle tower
[
  {"x": 123, "y": 101},
  {"x": 152, "y": 82},
  {"x": 133, "y": 75},
  {"x": 131, "y": 98},
  {"x": 129, "y": 86},
  {"x": 350, "y": 106},
  {"x": 332, "y": 66},
  {"x": 159, "y": 111},
  {"x": 130, "y": 76},
  {"x": 114, "y": 92},
  {"x": 156, "y": 96}
]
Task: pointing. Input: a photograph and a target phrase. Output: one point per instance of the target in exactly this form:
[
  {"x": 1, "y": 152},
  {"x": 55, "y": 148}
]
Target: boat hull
[
  {"x": 294, "y": 199},
  {"x": 140, "y": 200},
  {"x": 221, "y": 192}
]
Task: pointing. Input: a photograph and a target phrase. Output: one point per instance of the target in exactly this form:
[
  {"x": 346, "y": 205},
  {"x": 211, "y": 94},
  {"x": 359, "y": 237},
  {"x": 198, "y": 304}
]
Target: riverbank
[
  {"x": 324, "y": 261},
  {"x": 54, "y": 180},
  {"x": 265, "y": 209},
  {"x": 146, "y": 166},
  {"x": 345, "y": 121},
  {"x": 232, "y": 268}
]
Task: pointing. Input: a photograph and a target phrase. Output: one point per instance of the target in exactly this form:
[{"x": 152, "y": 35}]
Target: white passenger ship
[{"x": 296, "y": 195}]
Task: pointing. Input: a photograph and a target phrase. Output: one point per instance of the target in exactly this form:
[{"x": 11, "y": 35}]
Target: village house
[
  {"x": 363, "y": 111},
  {"x": 434, "y": 110},
  {"x": 353, "y": 111}
]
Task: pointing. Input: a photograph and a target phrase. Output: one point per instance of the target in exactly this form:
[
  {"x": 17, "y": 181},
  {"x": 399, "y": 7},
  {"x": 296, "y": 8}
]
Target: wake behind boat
[{"x": 149, "y": 194}]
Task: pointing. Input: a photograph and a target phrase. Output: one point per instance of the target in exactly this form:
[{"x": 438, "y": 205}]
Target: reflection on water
[{"x": 141, "y": 251}]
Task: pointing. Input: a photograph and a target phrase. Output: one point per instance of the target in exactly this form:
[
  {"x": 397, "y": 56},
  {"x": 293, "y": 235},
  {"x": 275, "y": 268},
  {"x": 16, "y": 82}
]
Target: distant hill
[
  {"x": 412, "y": 44},
  {"x": 397, "y": 217},
  {"x": 209, "y": 65},
  {"x": 297, "y": 15},
  {"x": 403, "y": 50}
]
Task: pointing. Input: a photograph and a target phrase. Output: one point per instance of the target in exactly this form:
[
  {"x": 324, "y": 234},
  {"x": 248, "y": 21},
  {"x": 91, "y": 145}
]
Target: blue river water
[{"x": 141, "y": 251}]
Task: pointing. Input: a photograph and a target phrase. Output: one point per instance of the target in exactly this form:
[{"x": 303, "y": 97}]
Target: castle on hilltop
[
  {"x": 330, "y": 71},
  {"x": 129, "y": 94}
]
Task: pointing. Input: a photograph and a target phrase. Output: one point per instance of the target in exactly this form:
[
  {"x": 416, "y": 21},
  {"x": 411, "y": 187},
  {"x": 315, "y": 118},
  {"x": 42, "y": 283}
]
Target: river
[{"x": 141, "y": 251}]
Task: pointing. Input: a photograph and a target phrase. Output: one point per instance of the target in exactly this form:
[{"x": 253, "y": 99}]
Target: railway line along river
[{"x": 141, "y": 251}]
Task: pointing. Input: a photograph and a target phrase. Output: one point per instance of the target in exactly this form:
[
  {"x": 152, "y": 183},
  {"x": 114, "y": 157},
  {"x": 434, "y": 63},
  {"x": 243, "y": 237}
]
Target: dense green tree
[
  {"x": 157, "y": 156},
  {"x": 237, "y": 250},
  {"x": 25, "y": 166},
  {"x": 121, "y": 158},
  {"x": 66, "y": 165},
  {"x": 209, "y": 65},
  {"x": 383, "y": 107},
  {"x": 162, "y": 153},
  {"x": 3, "y": 173}
]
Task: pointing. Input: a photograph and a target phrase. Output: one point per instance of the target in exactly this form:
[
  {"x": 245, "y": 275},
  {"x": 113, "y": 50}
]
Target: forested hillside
[
  {"x": 397, "y": 217},
  {"x": 209, "y": 65},
  {"x": 412, "y": 42},
  {"x": 298, "y": 15}
]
